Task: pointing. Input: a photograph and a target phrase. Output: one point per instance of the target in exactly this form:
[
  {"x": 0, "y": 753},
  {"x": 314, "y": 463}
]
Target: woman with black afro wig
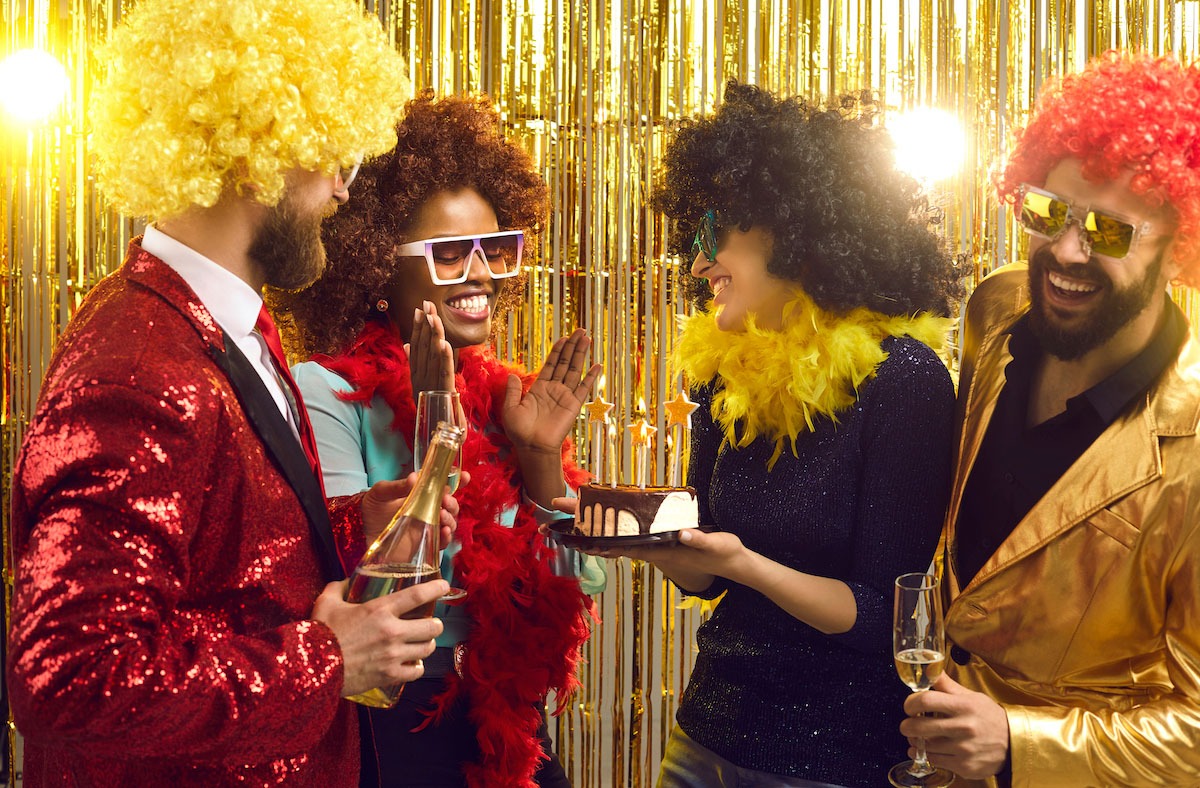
[{"x": 821, "y": 448}]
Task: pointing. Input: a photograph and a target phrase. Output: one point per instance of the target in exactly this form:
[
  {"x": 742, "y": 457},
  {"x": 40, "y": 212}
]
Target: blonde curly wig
[{"x": 203, "y": 96}]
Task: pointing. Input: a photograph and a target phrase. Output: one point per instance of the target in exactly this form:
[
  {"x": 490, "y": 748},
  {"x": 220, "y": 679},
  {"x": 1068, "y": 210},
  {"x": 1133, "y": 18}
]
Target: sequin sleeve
[
  {"x": 705, "y": 442},
  {"x": 345, "y": 515},
  {"x": 124, "y": 635},
  {"x": 904, "y": 485}
]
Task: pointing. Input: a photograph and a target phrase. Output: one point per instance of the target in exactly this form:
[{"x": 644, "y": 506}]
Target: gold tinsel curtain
[{"x": 594, "y": 90}]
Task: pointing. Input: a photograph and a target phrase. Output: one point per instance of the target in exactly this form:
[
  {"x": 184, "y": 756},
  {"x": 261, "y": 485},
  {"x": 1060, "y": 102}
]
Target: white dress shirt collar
[{"x": 232, "y": 303}]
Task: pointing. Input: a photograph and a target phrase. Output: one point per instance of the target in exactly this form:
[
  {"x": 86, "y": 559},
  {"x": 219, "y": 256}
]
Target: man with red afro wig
[{"x": 1071, "y": 551}]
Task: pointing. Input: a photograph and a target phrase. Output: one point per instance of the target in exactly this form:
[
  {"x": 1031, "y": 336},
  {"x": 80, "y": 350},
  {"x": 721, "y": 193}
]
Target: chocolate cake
[{"x": 627, "y": 510}]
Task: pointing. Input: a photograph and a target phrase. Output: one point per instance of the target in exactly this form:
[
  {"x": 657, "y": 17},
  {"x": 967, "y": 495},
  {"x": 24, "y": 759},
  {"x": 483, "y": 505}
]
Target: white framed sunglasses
[{"x": 449, "y": 258}]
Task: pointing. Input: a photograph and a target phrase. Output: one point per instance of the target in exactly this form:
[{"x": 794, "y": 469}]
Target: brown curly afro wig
[
  {"x": 847, "y": 225},
  {"x": 1123, "y": 111},
  {"x": 447, "y": 144}
]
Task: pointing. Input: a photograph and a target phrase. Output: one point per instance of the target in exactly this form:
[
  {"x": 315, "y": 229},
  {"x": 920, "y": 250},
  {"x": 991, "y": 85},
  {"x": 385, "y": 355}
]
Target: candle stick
[
  {"x": 640, "y": 432},
  {"x": 673, "y": 455},
  {"x": 598, "y": 428},
  {"x": 610, "y": 455},
  {"x": 679, "y": 420}
]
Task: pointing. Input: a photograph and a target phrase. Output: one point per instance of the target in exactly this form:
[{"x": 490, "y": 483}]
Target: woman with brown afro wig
[
  {"x": 821, "y": 447},
  {"x": 419, "y": 262}
]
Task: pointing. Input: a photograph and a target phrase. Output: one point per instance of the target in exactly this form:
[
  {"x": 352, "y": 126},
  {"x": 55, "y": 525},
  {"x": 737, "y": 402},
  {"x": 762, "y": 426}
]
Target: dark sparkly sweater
[{"x": 862, "y": 503}]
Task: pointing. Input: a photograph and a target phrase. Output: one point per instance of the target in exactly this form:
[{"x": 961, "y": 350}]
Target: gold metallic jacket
[{"x": 1085, "y": 623}]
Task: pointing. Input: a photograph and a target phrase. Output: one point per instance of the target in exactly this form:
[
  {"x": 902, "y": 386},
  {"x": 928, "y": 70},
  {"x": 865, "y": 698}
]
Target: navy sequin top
[{"x": 862, "y": 503}]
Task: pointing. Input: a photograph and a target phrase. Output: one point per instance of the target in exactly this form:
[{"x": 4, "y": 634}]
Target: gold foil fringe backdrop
[{"x": 594, "y": 90}]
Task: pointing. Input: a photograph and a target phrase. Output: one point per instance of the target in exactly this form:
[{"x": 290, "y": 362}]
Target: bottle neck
[{"x": 424, "y": 503}]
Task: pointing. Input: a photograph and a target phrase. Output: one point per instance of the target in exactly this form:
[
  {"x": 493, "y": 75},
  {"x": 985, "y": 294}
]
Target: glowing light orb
[
  {"x": 32, "y": 84},
  {"x": 930, "y": 143}
]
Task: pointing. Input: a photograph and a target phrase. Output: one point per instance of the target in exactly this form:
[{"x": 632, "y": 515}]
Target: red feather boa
[{"x": 528, "y": 626}]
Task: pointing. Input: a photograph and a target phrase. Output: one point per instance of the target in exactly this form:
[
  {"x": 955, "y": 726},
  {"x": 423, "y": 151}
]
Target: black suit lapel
[{"x": 283, "y": 448}]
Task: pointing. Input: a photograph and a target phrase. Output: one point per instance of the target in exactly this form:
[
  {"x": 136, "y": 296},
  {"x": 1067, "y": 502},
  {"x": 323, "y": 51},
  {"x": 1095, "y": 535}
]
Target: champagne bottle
[{"x": 406, "y": 553}]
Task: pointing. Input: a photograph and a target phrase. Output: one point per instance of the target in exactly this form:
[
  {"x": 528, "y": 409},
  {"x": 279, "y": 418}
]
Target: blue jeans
[{"x": 687, "y": 764}]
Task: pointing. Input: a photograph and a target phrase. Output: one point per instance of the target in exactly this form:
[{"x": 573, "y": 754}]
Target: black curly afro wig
[{"x": 847, "y": 225}]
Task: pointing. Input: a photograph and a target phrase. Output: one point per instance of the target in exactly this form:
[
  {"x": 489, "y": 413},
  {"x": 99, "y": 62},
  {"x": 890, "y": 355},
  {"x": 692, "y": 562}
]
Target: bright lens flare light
[
  {"x": 929, "y": 143},
  {"x": 32, "y": 84}
]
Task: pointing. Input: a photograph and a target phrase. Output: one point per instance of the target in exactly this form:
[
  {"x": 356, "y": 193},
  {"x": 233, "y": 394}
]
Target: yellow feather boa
[{"x": 777, "y": 383}]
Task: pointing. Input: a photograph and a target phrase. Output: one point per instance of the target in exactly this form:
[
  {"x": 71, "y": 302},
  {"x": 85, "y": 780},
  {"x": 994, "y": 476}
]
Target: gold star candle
[
  {"x": 679, "y": 422},
  {"x": 597, "y": 428}
]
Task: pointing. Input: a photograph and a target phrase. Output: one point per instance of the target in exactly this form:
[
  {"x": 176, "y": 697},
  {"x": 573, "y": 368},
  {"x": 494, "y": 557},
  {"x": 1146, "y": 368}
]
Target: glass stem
[{"x": 920, "y": 764}]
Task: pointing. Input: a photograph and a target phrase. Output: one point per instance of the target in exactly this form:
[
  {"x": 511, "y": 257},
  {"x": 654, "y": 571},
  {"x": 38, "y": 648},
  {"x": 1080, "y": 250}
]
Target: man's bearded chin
[
  {"x": 1117, "y": 308},
  {"x": 288, "y": 247}
]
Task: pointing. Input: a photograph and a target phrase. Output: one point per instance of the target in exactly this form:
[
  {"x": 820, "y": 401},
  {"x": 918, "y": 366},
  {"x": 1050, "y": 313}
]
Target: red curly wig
[
  {"x": 444, "y": 144},
  {"x": 1123, "y": 111}
]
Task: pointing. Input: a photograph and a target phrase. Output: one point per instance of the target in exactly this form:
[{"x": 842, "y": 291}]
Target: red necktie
[{"x": 266, "y": 327}]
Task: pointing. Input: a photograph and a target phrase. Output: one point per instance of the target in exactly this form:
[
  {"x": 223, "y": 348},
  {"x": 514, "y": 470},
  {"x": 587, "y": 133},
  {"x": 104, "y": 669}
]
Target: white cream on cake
[
  {"x": 677, "y": 512},
  {"x": 626, "y": 510}
]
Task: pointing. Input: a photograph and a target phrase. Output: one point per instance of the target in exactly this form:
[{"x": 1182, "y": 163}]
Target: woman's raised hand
[
  {"x": 430, "y": 357},
  {"x": 542, "y": 418}
]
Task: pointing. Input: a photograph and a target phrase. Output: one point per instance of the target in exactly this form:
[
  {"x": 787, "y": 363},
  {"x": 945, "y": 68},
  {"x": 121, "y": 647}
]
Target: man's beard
[
  {"x": 1116, "y": 309},
  {"x": 288, "y": 246}
]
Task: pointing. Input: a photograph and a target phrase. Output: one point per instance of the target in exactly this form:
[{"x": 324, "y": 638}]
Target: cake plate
[{"x": 560, "y": 531}]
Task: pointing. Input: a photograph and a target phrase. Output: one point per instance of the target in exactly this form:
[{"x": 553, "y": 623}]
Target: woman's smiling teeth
[
  {"x": 473, "y": 304},
  {"x": 719, "y": 284},
  {"x": 1071, "y": 285}
]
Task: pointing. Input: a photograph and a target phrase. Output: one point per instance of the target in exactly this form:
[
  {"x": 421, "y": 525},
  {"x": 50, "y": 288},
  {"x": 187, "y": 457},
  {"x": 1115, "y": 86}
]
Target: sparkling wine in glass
[
  {"x": 433, "y": 408},
  {"x": 919, "y": 648},
  {"x": 373, "y": 580}
]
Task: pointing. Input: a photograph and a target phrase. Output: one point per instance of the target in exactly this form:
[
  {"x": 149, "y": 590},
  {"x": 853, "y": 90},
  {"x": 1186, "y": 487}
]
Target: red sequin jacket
[{"x": 167, "y": 557}]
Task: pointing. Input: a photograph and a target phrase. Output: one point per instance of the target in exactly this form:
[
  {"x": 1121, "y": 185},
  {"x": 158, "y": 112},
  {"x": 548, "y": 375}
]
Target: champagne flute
[
  {"x": 434, "y": 407},
  {"x": 919, "y": 646}
]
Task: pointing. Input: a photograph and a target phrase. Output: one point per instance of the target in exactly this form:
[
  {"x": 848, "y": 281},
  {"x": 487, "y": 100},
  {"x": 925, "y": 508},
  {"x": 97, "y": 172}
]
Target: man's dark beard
[
  {"x": 1115, "y": 311},
  {"x": 288, "y": 247}
]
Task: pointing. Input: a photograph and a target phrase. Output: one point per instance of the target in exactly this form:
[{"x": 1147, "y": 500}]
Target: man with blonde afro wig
[
  {"x": 178, "y": 613},
  {"x": 1071, "y": 550}
]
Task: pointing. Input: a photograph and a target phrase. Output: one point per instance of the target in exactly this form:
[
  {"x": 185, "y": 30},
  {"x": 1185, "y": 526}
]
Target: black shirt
[
  {"x": 1017, "y": 464},
  {"x": 860, "y": 500}
]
